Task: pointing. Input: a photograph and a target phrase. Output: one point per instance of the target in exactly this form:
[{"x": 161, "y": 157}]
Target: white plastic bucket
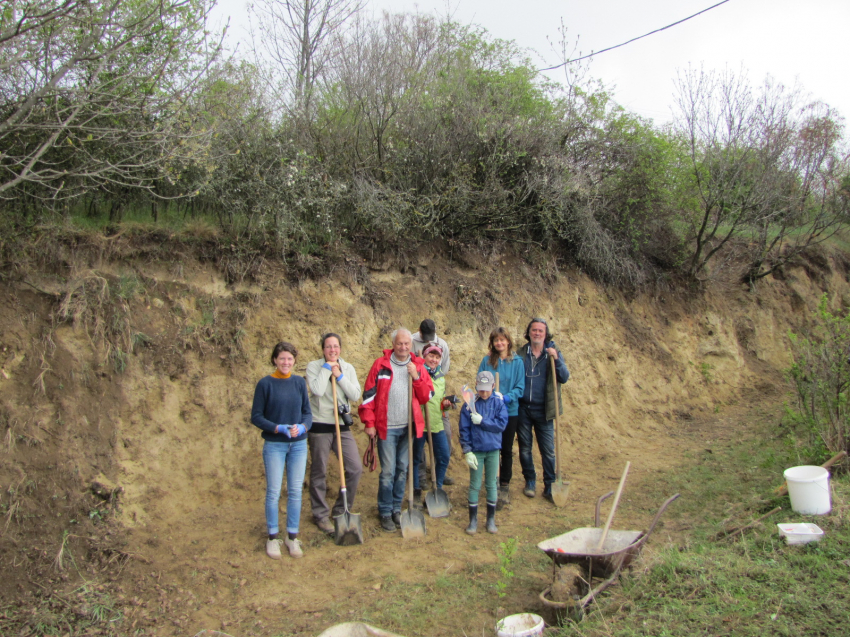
[
  {"x": 522, "y": 625},
  {"x": 808, "y": 487}
]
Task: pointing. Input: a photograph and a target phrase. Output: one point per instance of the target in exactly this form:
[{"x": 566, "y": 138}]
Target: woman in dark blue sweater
[{"x": 282, "y": 410}]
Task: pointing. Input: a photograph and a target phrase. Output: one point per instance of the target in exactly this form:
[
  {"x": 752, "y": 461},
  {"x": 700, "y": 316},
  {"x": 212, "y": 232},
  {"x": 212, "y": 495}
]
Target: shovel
[
  {"x": 560, "y": 488},
  {"x": 437, "y": 500},
  {"x": 412, "y": 521},
  {"x": 347, "y": 529}
]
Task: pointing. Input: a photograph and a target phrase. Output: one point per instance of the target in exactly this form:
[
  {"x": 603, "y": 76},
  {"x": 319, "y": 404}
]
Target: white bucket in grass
[
  {"x": 808, "y": 487},
  {"x": 522, "y": 625}
]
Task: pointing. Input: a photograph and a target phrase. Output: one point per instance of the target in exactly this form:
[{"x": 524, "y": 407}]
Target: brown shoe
[{"x": 325, "y": 525}]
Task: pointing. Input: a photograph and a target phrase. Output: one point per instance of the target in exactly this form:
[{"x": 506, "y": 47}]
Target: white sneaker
[
  {"x": 273, "y": 549},
  {"x": 294, "y": 547}
]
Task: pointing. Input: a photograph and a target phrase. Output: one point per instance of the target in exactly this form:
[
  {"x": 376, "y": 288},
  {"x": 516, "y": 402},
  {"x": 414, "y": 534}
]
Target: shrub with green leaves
[{"x": 821, "y": 377}]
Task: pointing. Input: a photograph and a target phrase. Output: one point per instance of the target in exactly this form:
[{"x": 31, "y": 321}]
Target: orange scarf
[{"x": 277, "y": 374}]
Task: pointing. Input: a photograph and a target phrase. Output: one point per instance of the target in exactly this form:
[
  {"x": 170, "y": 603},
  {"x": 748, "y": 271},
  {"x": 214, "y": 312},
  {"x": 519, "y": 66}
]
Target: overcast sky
[{"x": 803, "y": 41}]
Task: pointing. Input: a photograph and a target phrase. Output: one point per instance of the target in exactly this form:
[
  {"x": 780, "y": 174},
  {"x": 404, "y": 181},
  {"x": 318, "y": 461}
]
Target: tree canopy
[{"x": 385, "y": 132}]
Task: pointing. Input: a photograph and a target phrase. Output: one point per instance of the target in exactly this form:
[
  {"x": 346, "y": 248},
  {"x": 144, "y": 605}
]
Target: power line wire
[{"x": 611, "y": 48}]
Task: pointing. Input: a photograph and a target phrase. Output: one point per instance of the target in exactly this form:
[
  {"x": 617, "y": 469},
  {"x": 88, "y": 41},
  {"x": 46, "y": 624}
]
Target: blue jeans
[
  {"x": 441, "y": 456},
  {"x": 533, "y": 422},
  {"x": 392, "y": 453},
  {"x": 291, "y": 457}
]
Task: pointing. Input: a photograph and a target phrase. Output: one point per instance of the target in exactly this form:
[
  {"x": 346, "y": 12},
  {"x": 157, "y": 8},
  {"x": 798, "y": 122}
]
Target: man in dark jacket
[{"x": 538, "y": 404}]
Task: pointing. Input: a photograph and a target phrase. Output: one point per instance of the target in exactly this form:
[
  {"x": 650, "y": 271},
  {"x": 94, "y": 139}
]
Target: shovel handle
[
  {"x": 431, "y": 447},
  {"x": 338, "y": 436},
  {"x": 497, "y": 381},
  {"x": 410, "y": 437},
  {"x": 555, "y": 436},
  {"x": 614, "y": 506}
]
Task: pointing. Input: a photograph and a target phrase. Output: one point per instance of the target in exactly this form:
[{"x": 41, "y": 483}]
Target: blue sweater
[
  {"x": 488, "y": 435},
  {"x": 511, "y": 379},
  {"x": 281, "y": 401}
]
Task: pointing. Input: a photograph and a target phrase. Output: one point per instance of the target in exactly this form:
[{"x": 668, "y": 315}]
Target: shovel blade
[
  {"x": 560, "y": 492},
  {"x": 347, "y": 529},
  {"x": 412, "y": 524},
  {"x": 438, "y": 503}
]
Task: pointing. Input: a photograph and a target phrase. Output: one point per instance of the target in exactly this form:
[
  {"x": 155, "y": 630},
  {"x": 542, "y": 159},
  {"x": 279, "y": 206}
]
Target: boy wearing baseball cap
[{"x": 482, "y": 422}]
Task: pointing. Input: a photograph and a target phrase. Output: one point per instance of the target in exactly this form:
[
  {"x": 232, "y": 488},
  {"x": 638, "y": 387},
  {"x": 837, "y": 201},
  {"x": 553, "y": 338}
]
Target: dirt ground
[{"x": 129, "y": 463}]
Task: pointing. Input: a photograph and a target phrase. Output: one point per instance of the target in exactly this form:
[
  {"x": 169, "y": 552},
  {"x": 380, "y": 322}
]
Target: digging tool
[
  {"x": 560, "y": 488},
  {"x": 436, "y": 500},
  {"x": 497, "y": 381},
  {"x": 614, "y": 506},
  {"x": 412, "y": 521},
  {"x": 347, "y": 529}
]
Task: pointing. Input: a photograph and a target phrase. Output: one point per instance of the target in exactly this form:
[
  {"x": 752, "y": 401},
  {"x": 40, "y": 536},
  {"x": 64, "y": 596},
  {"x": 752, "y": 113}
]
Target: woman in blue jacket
[
  {"x": 511, "y": 370},
  {"x": 481, "y": 439}
]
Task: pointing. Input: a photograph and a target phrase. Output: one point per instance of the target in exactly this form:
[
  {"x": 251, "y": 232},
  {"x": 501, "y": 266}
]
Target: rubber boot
[
  {"x": 417, "y": 499},
  {"x": 491, "y": 518},
  {"x": 473, "y": 519}
]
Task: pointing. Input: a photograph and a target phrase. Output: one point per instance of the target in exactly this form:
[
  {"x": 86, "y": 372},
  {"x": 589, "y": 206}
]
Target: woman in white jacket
[{"x": 322, "y": 437}]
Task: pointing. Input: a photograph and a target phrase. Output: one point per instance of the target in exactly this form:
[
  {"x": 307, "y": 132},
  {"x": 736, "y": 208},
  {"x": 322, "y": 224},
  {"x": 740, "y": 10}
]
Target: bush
[{"x": 821, "y": 377}]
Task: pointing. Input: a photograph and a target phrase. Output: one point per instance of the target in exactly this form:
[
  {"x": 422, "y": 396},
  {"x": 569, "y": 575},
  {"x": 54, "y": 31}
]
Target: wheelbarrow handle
[
  {"x": 597, "y": 520},
  {"x": 660, "y": 513}
]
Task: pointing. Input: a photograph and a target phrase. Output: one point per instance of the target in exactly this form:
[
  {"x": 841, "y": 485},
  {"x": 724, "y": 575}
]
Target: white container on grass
[
  {"x": 808, "y": 487},
  {"x": 522, "y": 625},
  {"x": 800, "y": 532}
]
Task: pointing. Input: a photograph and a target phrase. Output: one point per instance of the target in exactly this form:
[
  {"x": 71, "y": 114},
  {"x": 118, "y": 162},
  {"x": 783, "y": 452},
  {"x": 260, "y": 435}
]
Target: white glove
[
  {"x": 471, "y": 460},
  {"x": 498, "y": 395},
  {"x": 476, "y": 418}
]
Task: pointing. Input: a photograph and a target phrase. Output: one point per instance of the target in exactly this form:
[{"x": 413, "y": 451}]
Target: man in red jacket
[{"x": 385, "y": 410}]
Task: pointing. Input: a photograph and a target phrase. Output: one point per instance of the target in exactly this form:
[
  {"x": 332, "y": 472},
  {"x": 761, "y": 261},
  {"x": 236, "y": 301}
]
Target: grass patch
[{"x": 84, "y": 611}]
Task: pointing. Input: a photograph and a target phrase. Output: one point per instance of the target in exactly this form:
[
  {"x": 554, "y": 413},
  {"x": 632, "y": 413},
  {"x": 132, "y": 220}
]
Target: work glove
[
  {"x": 506, "y": 398},
  {"x": 284, "y": 429},
  {"x": 471, "y": 460},
  {"x": 476, "y": 418},
  {"x": 301, "y": 431}
]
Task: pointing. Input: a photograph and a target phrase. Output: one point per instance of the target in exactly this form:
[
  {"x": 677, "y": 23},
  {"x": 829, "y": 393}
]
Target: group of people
[{"x": 515, "y": 398}]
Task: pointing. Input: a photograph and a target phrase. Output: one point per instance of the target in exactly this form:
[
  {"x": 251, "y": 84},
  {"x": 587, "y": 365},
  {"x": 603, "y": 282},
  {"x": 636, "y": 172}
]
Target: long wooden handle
[
  {"x": 614, "y": 506},
  {"x": 430, "y": 446},
  {"x": 497, "y": 381},
  {"x": 338, "y": 435},
  {"x": 555, "y": 432},
  {"x": 410, "y": 437}
]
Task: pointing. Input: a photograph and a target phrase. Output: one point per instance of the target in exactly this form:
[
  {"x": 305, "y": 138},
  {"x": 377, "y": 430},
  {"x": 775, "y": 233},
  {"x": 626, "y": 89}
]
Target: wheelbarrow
[{"x": 580, "y": 546}]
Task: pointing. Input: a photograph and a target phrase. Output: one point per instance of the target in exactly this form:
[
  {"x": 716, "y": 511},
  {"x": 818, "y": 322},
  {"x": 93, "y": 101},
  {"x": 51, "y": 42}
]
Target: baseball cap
[{"x": 484, "y": 381}]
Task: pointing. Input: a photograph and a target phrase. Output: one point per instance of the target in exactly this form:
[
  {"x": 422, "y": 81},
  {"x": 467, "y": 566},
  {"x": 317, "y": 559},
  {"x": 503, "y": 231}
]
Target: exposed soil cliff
[{"x": 126, "y": 386}]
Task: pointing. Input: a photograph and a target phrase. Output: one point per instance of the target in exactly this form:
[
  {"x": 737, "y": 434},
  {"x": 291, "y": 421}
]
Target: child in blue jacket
[{"x": 481, "y": 441}]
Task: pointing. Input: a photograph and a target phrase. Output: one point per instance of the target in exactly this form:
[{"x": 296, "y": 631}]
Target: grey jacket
[{"x": 321, "y": 392}]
